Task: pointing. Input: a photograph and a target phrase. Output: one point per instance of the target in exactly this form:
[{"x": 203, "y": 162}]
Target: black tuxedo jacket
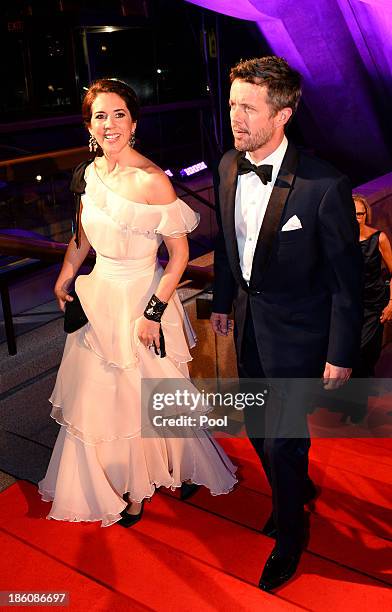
[{"x": 305, "y": 289}]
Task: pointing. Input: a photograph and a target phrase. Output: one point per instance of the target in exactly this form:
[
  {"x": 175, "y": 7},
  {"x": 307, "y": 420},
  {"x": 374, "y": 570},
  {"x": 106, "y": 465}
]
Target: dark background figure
[
  {"x": 377, "y": 296},
  {"x": 352, "y": 399},
  {"x": 288, "y": 259}
]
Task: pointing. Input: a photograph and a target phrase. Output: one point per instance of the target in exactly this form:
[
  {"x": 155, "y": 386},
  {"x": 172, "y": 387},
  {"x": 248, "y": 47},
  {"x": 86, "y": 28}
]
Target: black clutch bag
[
  {"x": 162, "y": 348},
  {"x": 74, "y": 315}
]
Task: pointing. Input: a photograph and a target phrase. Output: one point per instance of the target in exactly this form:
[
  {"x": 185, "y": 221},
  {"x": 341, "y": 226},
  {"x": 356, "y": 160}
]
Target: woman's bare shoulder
[
  {"x": 383, "y": 239},
  {"x": 156, "y": 184}
]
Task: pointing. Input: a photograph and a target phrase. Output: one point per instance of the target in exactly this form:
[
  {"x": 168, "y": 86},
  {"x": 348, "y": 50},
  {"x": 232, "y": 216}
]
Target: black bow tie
[{"x": 264, "y": 172}]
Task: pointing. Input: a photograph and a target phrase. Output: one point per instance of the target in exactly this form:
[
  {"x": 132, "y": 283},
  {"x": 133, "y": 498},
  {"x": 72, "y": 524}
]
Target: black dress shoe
[
  {"x": 128, "y": 520},
  {"x": 187, "y": 490},
  {"x": 278, "y": 570}
]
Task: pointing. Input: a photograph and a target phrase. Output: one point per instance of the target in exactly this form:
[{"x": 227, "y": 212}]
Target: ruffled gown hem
[
  {"x": 57, "y": 415},
  {"x": 112, "y": 518},
  {"x": 177, "y": 360}
]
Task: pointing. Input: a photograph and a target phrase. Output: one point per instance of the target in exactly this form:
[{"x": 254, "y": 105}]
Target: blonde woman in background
[{"x": 377, "y": 300}]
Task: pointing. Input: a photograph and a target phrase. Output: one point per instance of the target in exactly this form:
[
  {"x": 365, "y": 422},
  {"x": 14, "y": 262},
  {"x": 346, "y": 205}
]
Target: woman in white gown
[{"x": 102, "y": 467}]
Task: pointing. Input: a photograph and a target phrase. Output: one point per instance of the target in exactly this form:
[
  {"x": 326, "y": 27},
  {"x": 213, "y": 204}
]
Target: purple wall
[{"x": 343, "y": 48}]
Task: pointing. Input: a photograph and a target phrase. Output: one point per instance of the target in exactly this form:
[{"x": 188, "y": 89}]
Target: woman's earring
[
  {"x": 92, "y": 144},
  {"x": 132, "y": 140}
]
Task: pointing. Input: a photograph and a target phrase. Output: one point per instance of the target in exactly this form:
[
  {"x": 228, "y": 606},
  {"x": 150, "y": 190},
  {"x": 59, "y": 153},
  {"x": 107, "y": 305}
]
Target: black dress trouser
[{"x": 284, "y": 459}]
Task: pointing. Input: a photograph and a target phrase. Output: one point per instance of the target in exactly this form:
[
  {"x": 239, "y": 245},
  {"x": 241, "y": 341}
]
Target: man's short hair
[{"x": 283, "y": 83}]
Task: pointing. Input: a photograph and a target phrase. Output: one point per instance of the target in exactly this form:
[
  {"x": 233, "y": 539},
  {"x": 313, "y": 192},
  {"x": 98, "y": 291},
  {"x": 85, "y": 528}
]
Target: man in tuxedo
[{"x": 288, "y": 260}]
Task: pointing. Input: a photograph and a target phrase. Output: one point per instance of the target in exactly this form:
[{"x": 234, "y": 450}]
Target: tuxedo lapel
[
  {"x": 273, "y": 215},
  {"x": 227, "y": 191}
]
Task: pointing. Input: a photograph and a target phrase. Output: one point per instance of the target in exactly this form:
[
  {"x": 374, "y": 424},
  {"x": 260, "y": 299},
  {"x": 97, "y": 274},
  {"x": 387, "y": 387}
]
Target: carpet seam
[{"x": 327, "y": 559}]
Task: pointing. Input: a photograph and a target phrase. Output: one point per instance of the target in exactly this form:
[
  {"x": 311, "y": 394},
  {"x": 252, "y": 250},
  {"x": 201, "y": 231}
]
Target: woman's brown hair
[{"x": 110, "y": 86}]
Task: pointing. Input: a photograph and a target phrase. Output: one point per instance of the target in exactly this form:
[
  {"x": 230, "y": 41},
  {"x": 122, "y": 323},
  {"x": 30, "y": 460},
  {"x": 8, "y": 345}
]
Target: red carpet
[{"x": 206, "y": 554}]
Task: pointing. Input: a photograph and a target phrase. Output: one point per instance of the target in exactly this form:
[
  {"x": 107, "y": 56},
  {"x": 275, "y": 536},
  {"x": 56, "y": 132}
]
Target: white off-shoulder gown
[{"x": 101, "y": 452}]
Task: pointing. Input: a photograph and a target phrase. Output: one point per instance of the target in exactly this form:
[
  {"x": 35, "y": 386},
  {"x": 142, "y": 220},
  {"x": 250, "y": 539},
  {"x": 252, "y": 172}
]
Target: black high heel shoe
[
  {"x": 127, "y": 519},
  {"x": 187, "y": 490}
]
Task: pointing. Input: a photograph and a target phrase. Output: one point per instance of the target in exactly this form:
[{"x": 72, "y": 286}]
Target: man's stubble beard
[{"x": 255, "y": 142}]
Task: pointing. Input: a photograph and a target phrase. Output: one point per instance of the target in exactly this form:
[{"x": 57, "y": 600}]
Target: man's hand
[
  {"x": 335, "y": 376},
  {"x": 221, "y": 324}
]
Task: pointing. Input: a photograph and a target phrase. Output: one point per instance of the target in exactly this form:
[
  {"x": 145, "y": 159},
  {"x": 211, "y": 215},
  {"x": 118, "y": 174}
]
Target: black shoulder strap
[{"x": 78, "y": 186}]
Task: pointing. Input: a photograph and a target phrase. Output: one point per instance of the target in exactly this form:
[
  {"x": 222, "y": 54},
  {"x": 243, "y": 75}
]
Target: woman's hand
[
  {"x": 386, "y": 254},
  {"x": 73, "y": 259},
  {"x": 386, "y": 314},
  {"x": 148, "y": 332},
  {"x": 62, "y": 296}
]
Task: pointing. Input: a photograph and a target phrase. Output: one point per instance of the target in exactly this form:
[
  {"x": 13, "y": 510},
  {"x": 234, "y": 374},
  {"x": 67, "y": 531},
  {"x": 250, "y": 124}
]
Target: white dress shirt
[{"x": 251, "y": 201}]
